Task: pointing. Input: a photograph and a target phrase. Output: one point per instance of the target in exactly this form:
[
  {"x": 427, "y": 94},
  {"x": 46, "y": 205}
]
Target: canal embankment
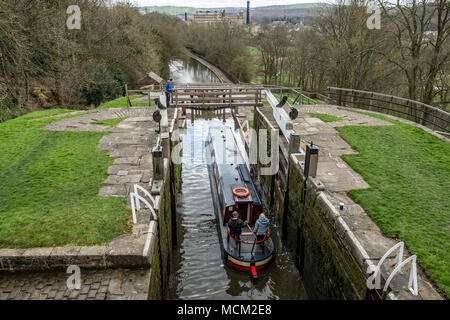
[
  {"x": 333, "y": 247},
  {"x": 219, "y": 73}
]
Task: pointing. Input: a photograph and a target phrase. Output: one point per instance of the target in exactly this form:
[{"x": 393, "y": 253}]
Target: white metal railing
[
  {"x": 412, "y": 283},
  {"x": 136, "y": 200},
  {"x": 374, "y": 281},
  {"x": 138, "y": 188},
  {"x": 398, "y": 258}
]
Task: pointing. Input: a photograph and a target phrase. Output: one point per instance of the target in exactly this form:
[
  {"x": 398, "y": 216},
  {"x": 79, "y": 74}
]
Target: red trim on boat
[
  {"x": 236, "y": 266},
  {"x": 254, "y": 273}
]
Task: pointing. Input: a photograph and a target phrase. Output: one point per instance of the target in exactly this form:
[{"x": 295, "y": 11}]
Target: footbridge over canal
[{"x": 209, "y": 96}]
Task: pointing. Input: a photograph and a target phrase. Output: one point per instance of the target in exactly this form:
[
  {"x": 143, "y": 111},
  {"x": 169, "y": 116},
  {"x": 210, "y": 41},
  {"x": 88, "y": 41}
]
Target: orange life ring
[{"x": 238, "y": 194}]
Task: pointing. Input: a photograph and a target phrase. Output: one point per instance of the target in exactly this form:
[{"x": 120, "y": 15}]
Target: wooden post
[
  {"x": 407, "y": 110},
  {"x": 311, "y": 160},
  {"x": 422, "y": 120},
  {"x": 149, "y": 99},
  {"x": 353, "y": 98},
  {"x": 390, "y": 106},
  {"x": 158, "y": 163},
  {"x": 294, "y": 143},
  {"x": 127, "y": 97}
]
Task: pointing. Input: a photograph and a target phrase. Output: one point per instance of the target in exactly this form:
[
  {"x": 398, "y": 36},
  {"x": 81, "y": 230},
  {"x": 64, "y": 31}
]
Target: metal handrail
[
  {"x": 386, "y": 95},
  {"x": 399, "y": 259},
  {"x": 146, "y": 193},
  {"x": 416, "y": 111},
  {"x": 135, "y": 199},
  {"x": 412, "y": 283}
]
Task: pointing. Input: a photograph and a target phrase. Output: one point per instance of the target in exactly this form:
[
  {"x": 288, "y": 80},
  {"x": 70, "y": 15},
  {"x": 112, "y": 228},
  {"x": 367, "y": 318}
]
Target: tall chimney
[{"x": 248, "y": 13}]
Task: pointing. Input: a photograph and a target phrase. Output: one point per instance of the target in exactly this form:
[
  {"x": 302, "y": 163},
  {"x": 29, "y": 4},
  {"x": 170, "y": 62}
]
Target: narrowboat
[{"x": 232, "y": 190}]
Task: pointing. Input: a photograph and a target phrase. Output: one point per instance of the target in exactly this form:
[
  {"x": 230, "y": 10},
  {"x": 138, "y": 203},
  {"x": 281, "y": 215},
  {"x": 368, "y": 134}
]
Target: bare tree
[
  {"x": 418, "y": 30},
  {"x": 274, "y": 45}
]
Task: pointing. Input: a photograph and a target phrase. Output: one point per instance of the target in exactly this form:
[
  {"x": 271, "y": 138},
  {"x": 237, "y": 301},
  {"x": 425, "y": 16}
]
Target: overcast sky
[{"x": 221, "y": 3}]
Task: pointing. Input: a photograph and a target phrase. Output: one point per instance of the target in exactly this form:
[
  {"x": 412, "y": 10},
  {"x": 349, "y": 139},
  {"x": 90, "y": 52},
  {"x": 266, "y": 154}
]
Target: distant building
[
  {"x": 213, "y": 17},
  {"x": 255, "y": 29}
]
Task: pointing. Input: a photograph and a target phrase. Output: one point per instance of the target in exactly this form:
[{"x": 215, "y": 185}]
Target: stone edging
[
  {"x": 123, "y": 252},
  {"x": 133, "y": 250}
]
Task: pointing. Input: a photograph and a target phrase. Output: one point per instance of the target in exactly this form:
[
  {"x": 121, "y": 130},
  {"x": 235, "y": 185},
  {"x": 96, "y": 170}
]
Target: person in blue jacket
[
  {"x": 261, "y": 227},
  {"x": 168, "y": 90}
]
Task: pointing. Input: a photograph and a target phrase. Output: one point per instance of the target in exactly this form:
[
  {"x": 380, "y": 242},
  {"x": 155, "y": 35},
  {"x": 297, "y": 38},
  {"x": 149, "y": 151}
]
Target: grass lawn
[
  {"x": 122, "y": 102},
  {"x": 253, "y": 51},
  {"x": 324, "y": 117},
  {"x": 408, "y": 171},
  {"x": 49, "y": 183},
  {"x": 109, "y": 122},
  {"x": 255, "y": 65}
]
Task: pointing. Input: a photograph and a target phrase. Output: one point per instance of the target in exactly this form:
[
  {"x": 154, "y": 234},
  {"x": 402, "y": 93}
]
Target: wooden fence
[{"x": 217, "y": 96}]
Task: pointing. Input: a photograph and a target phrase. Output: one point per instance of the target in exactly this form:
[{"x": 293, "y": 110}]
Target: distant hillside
[
  {"x": 169, "y": 10},
  {"x": 257, "y": 13}
]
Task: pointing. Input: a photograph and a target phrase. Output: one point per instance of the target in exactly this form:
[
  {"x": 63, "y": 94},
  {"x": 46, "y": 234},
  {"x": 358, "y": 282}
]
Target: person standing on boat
[
  {"x": 235, "y": 226},
  {"x": 168, "y": 90},
  {"x": 261, "y": 227}
]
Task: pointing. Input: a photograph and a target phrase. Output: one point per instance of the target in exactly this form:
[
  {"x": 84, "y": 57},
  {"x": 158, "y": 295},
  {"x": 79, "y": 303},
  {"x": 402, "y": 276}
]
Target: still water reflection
[
  {"x": 198, "y": 268},
  {"x": 191, "y": 71},
  {"x": 198, "y": 271}
]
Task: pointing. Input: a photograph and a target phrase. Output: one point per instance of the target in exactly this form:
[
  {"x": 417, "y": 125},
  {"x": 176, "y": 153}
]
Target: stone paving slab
[
  {"x": 332, "y": 170},
  {"x": 117, "y": 284}
]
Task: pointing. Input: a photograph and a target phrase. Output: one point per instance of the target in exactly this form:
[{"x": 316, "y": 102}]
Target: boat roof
[{"x": 233, "y": 172}]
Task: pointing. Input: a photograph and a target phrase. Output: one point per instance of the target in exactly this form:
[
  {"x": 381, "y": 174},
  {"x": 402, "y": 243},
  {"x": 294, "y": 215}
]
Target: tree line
[
  {"x": 408, "y": 56},
  {"x": 43, "y": 63},
  {"x": 223, "y": 44}
]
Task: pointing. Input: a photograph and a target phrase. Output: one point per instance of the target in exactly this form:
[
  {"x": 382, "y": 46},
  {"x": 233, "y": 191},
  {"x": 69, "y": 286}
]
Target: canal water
[
  {"x": 185, "y": 71},
  {"x": 198, "y": 271}
]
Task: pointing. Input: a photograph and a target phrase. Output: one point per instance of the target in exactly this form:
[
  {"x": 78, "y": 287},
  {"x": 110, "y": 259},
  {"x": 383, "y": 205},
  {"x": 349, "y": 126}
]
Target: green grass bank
[
  {"x": 49, "y": 183},
  {"x": 122, "y": 102},
  {"x": 408, "y": 171}
]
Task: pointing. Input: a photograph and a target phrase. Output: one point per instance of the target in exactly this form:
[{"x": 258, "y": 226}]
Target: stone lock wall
[
  {"x": 167, "y": 235},
  {"x": 328, "y": 269}
]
